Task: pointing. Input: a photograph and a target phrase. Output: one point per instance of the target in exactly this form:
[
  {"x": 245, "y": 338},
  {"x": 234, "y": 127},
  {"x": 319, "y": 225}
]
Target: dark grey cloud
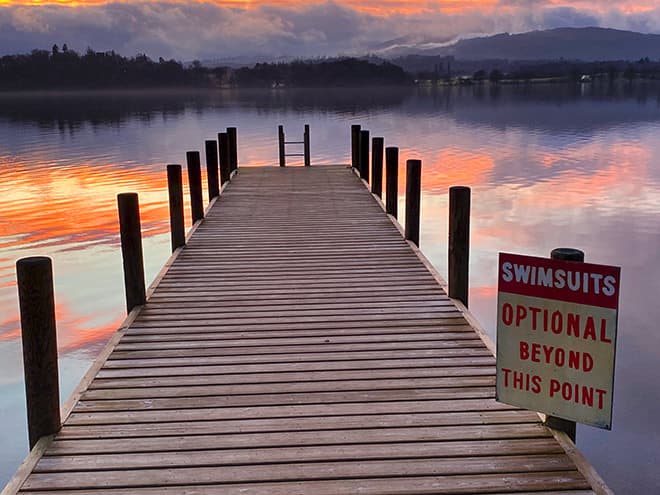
[{"x": 203, "y": 30}]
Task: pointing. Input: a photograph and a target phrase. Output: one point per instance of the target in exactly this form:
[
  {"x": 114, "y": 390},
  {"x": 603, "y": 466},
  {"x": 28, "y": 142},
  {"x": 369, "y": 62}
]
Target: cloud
[{"x": 206, "y": 30}]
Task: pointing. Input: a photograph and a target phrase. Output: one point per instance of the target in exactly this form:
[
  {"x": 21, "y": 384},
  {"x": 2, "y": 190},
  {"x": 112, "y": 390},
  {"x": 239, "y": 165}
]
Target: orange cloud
[{"x": 373, "y": 7}]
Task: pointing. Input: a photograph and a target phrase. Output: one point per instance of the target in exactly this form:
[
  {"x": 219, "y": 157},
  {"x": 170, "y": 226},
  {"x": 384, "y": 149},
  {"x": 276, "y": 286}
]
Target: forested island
[{"x": 63, "y": 68}]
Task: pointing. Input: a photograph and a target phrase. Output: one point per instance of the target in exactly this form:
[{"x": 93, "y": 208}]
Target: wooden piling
[
  {"x": 392, "y": 180},
  {"x": 195, "y": 185},
  {"x": 459, "y": 242},
  {"x": 175, "y": 190},
  {"x": 280, "y": 137},
  {"x": 364, "y": 155},
  {"x": 355, "y": 146},
  {"x": 223, "y": 148},
  {"x": 38, "y": 330},
  {"x": 131, "y": 249},
  {"x": 233, "y": 148},
  {"x": 377, "y": 145},
  {"x": 567, "y": 426},
  {"x": 211, "y": 148},
  {"x": 413, "y": 199},
  {"x": 306, "y": 145}
]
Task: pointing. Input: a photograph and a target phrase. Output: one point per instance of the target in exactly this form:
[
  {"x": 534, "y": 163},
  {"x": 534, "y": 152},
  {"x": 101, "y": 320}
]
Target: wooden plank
[
  {"x": 290, "y": 377},
  {"x": 286, "y": 399},
  {"x": 212, "y": 341},
  {"x": 284, "y": 388},
  {"x": 226, "y": 426},
  {"x": 313, "y": 453},
  {"x": 439, "y": 323},
  {"x": 400, "y": 407},
  {"x": 299, "y": 471},
  {"x": 437, "y": 485},
  {"x": 125, "y": 361},
  {"x": 154, "y": 335},
  {"x": 309, "y": 367}
]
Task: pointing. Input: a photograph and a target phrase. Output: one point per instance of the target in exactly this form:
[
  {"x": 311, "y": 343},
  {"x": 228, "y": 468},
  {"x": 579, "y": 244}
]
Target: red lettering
[
  {"x": 557, "y": 322},
  {"x": 521, "y": 314},
  {"x": 536, "y": 384},
  {"x": 536, "y": 352},
  {"x": 573, "y": 324},
  {"x": 587, "y": 362},
  {"x": 535, "y": 311},
  {"x": 547, "y": 351},
  {"x": 506, "y": 376},
  {"x": 555, "y": 386},
  {"x": 590, "y": 329},
  {"x": 507, "y": 314},
  {"x": 524, "y": 351},
  {"x": 517, "y": 380},
  {"x": 603, "y": 332}
]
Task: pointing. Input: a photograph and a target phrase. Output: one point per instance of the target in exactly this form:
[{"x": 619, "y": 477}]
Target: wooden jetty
[{"x": 299, "y": 345}]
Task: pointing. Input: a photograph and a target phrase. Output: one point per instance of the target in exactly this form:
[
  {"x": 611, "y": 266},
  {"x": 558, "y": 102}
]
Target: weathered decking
[{"x": 298, "y": 345}]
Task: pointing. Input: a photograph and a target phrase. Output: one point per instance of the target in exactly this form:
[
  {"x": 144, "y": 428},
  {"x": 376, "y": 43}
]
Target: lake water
[{"x": 549, "y": 166}]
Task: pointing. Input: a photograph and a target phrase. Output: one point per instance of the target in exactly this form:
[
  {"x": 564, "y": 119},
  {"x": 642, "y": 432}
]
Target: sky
[{"x": 214, "y": 29}]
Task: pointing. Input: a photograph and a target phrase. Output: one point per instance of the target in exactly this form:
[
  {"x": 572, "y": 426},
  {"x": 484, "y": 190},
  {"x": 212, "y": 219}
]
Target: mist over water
[{"x": 549, "y": 166}]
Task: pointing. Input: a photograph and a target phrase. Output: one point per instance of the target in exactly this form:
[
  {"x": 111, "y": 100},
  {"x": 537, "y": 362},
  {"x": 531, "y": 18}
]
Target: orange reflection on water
[
  {"x": 75, "y": 205},
  {"x": 69, "y": 212},
  {"x": 452, "y": 167},
  {"x": 74, "y": 331},
  {"x": 82, "y": 331},
  {"x": 572, "y": 188}
]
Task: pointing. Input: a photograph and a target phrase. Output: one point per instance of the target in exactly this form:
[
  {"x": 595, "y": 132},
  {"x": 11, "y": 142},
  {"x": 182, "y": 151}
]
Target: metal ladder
[{"x": 283, "y": 143}]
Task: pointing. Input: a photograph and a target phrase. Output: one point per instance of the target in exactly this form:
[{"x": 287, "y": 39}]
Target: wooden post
[
  {"x": 175, "y": 190},
  {"x": 377, "y": 145},
  {"x": 364, "y": 155},
  {"x": 195, "y": 185},
  {"x": 567, "y": 426},
  {"x": 131, "y": 249},
  {"x": 233, "y": 148},
  {"x": 280, "y": 136},
  {"x": 223, "y": 148},
  {"x": 392, "y": 180},
  {"x": 306, "y": 145},
  {"x": 37, "y": 305},
  {"x": 212, "y": 168},
  {"x": 355, "y": 146},
  {"x": 459, "y": 242},
  {"x": 413, "y": 197}
]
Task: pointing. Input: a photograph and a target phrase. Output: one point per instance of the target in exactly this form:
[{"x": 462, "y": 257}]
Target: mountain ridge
[{"x": 585, "y": 44}]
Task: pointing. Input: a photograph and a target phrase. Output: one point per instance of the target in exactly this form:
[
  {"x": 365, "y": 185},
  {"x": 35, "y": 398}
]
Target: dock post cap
[
  {"x": 567, "y": 254},
  {"x": 33, "y": 261}
]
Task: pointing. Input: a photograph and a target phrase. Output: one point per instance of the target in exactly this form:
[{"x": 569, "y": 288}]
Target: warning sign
[{"x": 556, "y": 336}]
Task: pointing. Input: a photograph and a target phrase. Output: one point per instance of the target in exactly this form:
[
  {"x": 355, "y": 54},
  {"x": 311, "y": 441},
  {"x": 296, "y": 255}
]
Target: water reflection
[{"x": 549, "y": 166}]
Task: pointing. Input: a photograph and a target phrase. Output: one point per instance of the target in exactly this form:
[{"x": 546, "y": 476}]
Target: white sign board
[{"x": 556, "y": 336}]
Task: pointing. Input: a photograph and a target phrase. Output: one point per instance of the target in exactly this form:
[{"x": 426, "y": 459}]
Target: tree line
[{"x": 63, "y": 68}]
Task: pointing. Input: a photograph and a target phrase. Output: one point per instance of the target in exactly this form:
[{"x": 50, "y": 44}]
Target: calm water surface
[{"x": 549, "y": 166}]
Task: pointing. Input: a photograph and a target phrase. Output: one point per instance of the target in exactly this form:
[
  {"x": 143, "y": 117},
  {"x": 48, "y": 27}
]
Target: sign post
[{"x": 556, "y": 336}]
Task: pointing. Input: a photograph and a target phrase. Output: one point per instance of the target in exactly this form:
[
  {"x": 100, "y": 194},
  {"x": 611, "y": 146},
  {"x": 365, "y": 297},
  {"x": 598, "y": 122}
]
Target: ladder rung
[
  {"x": 294, "y": 142},
  {"x": 295, "y": 154}
]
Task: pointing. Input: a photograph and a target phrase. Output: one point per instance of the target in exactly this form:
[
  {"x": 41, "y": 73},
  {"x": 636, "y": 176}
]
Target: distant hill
[{"x": 586, "y": 44}]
